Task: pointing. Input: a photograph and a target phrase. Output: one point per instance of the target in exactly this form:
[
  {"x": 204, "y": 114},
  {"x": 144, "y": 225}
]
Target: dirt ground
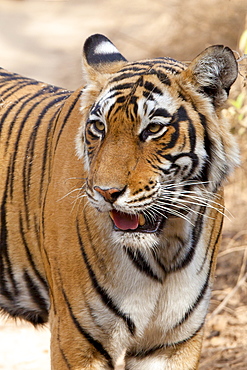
[{"x": 43, "y": 40}]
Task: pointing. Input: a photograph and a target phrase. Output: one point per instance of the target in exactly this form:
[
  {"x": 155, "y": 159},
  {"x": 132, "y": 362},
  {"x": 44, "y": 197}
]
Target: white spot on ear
[{"x": 106, "y": 47}]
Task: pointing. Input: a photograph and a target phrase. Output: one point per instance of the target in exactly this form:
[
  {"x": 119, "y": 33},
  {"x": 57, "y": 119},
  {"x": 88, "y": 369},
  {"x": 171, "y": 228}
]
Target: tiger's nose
[{"x": 110, "y": 195}]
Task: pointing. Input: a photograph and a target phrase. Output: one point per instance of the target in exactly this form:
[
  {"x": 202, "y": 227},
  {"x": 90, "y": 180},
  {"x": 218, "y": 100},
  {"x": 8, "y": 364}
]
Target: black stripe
[
  {"x": 65, "y": 358},
  {"x": 36, "y": 221},
  {"x": 133, "y": 100},
  {"x": 30, "y": 257},
  {"x": 12, "y": 89},
  {"x": 196, "y": 233},
  {"x": 27, "y": 157},
  {"x": 4, "y": 73},
  {"x": 123, "y": 76},
  {"x": 99, "y": 261},
  {"x": 203, "y": 289},
  {"x": 169, "y": 61},
  {"x": 21, "y": 127},
  {"x": 67, "y": 116},
  {"x": 181, "y": 114},
  {"x": 110, "y": 111},
  {"x": 215, "y": 243},
  {"x": 192, "y": 136},
  {"x": 159, "y": 64},
  {"x": 175, "y": 135},
  {"x": 11, "y": 124},
  {"x": 94, "y": 317},
  {"x": 11, "y": 77},
  {"x": 182, "y": 96},
  {"x": 141, "y": 354},
  {"x": 181, "y": 246},
  {"x": 121, "y": 99},
  {"x": 172, "y": 70},
  {"x": 96, "y": 344},
  {"x": 49, "y": 133},
  {"x": 30, "y": 148},
  {"x": 176, "y": 168},
  {"x": 125, "y": 86},
  {"x": 183, "y": 117},
  {"x": 151, "y": 351},
  {"x": 190, "y": 337},
  {"x": 160, "y": 112},
  {"x": 208, "y": 146},
  {"x": 106, "y": 299},
  {"x": 148, "y": 95},
  {"x": 5, "y": 273},
  {"x": 164, "y": 79},
  {"x": 40, "y": 316},
  {"x": 152, "y": 88},
  {"x": 197, "y": 301},
  {"x": 141, "y": 264},
  {"x": 140, "y": 68},
  {"x": 60, "y": 348}
]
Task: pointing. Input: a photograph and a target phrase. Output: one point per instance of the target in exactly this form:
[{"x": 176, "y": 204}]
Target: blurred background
[{"x": 44, "y": 39}]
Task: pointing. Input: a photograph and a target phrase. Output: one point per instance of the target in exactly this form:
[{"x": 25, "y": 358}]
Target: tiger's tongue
[{"x": 124, "y": 221}]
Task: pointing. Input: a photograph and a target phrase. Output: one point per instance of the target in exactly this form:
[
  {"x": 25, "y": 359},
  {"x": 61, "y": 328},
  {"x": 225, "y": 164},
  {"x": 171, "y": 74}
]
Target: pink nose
[{"x": 110, "y": 195}]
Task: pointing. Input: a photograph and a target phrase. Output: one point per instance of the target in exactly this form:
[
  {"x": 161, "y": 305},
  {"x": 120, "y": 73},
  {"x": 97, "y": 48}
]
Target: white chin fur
[{"x": 134, "y": 239}]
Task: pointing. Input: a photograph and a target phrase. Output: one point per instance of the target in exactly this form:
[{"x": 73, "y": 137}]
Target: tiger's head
[{"x": 153, "y": 139}]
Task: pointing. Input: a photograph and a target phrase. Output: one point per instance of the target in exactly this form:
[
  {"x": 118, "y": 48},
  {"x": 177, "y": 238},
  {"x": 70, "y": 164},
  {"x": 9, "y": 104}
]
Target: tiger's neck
[{"x": 155, "y": 285}]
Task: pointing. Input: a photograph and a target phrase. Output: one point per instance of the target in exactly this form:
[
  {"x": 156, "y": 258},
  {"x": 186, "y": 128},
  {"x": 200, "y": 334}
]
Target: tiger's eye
[
  {"x": 99, "y": 126},
  {"x": 153, "y": 128}
]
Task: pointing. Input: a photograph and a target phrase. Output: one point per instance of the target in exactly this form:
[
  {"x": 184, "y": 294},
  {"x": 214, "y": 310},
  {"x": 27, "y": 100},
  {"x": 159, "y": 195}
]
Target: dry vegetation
[
  {"x": 28, "y": 48},
  {"x": 225, "y": 344}
]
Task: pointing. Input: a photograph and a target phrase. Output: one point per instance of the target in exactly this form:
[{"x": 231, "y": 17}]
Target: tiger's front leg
[{"x": 78, "y": 353}]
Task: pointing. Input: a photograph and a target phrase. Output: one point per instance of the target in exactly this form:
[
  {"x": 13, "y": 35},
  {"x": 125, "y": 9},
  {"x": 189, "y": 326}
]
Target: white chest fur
[{"x": 165, "y": 308}]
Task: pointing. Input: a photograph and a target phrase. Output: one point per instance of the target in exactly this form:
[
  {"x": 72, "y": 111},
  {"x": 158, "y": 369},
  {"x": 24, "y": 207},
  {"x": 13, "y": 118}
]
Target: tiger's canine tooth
[{"x": 142, "y": 220}]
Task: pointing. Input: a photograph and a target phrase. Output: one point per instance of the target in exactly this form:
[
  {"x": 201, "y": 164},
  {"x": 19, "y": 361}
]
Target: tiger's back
[{"x": 112, "y": 206}]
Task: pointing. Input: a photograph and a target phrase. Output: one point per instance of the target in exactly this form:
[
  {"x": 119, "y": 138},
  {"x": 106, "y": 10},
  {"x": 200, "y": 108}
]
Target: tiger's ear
[
  {"x": 213, "y": 72},
  {"x": 100, "y": 58}
]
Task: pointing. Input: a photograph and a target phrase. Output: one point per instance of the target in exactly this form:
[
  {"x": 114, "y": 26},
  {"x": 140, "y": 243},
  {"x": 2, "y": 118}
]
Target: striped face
[{"x": 148, "y": 146}]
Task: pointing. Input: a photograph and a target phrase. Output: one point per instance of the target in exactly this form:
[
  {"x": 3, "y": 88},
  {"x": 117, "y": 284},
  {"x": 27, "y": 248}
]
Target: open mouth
[{"x": 136, "y": 223}]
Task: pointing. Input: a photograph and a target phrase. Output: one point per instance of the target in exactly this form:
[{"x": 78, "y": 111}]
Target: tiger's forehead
[
  {"x": 151, "y": 66},
  {"x": 162, "y": 69},
  {"x": 139, "y": 89}
]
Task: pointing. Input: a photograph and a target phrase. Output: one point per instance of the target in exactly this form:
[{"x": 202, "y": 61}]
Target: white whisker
[
  {"x": 201, "y": 203},
  {"x": 189, "y": 200},
  {"x": 192, "y": 197},
  {"x": 149, "y": 214},
  {"x": 77, "y": 201},
  {"x": 184, "y": 183},
  {"x": 185, "y": 208},
  {"x": 75, "y": 178},
  {"x": 69, "y": 193},
  {"x": 157, "y": 210}
]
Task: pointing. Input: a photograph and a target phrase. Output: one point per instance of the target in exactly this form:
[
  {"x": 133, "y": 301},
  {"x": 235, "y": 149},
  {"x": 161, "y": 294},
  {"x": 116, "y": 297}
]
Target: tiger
[{"x": 112, "y": 206}]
